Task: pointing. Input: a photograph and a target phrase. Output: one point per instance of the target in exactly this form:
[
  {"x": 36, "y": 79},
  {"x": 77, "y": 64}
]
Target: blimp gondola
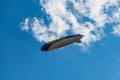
[{"x": 61, "y": 42}]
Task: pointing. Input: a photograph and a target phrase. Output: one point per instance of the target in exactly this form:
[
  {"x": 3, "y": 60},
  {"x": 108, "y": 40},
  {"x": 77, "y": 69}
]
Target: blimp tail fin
[{"x": 78, "y": 41}]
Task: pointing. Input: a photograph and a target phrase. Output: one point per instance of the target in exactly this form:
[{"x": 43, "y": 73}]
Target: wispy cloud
[
  {"x": 25, "y": 26},
  {"x": 116, "y": 30},
  {"x": 87, "y": 17}
]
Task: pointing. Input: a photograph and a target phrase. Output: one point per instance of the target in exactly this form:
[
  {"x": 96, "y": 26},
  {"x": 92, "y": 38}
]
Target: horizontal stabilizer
[{"x": 78, "y": 41}]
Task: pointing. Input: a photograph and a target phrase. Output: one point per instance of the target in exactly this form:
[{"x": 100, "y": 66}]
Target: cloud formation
[
  {"x": 86, "y": 17},
  {"x": 116, "y": 30}
]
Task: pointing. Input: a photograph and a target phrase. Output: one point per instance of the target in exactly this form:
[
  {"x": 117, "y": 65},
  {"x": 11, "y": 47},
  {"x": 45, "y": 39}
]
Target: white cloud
[
  {"x": 116, "y": 30},
  {"x": 116, "y": 15},
  {"x": 72, "y": 19},
  {"x": 115, "y": 12},
  {"x": 25, "y": 25}
]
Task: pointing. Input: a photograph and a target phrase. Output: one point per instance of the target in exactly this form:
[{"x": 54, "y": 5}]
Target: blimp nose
[{"x": 45, "y": 47}]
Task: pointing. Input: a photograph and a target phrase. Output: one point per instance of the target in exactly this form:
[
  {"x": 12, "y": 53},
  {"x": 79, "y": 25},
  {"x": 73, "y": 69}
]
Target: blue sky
[{"x": 97, "y": 58}]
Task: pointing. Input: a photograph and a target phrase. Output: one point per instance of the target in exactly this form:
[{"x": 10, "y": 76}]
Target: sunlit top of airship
[{"x": 61, "y": 42}]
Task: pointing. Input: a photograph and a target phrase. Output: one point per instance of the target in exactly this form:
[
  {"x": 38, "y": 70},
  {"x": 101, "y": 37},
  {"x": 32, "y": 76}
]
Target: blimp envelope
[{"x": 61, "y": 42}]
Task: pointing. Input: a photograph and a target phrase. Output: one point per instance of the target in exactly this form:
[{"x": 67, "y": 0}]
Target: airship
[{"x": 61, "y": 42}]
